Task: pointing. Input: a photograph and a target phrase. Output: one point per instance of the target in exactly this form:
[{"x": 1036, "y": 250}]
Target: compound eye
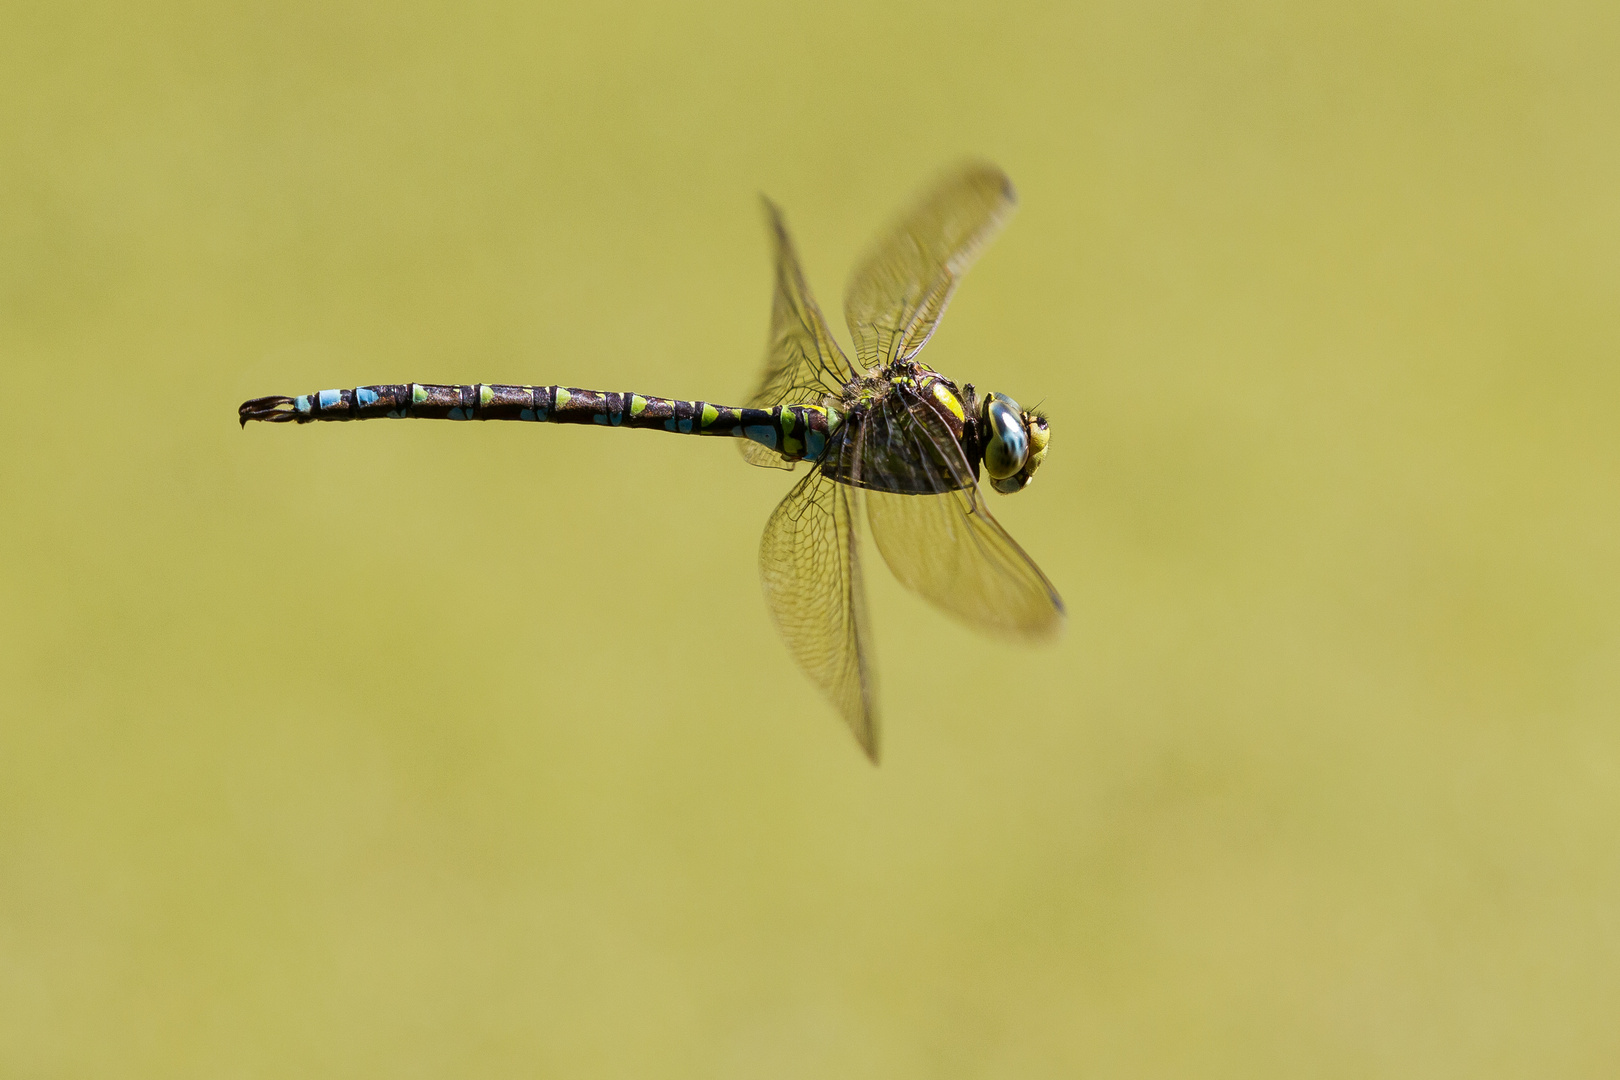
[{"x": 1007, "y": 446}]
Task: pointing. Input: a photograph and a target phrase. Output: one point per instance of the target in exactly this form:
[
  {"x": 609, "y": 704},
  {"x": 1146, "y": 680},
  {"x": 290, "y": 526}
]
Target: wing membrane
[
  {"x": 803, "y": 363},
  {"x": 897, "y": 296},
  {"x": 809, "y": 563},
  {"x": 946, "y": 546}
]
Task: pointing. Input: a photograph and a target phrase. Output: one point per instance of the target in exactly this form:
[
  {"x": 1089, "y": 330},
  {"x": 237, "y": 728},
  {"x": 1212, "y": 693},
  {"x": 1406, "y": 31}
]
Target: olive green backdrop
[{"x": 469, "y": 750}]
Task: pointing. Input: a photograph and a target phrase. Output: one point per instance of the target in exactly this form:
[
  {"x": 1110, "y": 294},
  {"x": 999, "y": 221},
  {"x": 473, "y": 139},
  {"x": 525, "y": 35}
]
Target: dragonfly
[{"x": 888, "y": 442}]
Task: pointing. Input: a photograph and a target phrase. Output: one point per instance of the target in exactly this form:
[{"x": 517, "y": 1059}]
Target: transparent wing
[
  {"x": 899, "y": 293},
  {"x": 809, "y": 563},
  {"x": 945, "y": 545},
  {"x": 803, "y": 364}
]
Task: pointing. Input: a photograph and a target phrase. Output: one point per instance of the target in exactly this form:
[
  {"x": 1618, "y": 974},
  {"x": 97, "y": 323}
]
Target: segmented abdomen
[{"x": 794, "y": 431}]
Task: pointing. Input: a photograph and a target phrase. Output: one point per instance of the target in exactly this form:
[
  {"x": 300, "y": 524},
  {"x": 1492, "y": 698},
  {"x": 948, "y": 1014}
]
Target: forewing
[
  {"x": 897, "y": 296},
  {"x": 803, "y": 364},
  {"x": 946, "y": 546},
  {"x": 809, "y": 563}
]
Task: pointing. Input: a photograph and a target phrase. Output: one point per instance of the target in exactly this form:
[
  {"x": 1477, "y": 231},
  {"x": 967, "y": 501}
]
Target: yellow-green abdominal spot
[
  {"x": 637, "y": 404},
  {"x": 418, "y": 393},
  {"x": 485, "y": 394},
  {"x": 563, "y": 397},
  {"x": 710, "y": 414}
]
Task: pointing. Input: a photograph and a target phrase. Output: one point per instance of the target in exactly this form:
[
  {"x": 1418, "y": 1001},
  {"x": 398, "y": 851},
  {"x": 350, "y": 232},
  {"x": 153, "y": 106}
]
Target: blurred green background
[{"x": 444, "y": 750}]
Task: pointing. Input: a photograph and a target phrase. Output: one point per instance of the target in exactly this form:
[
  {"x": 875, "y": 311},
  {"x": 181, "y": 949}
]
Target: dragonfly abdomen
[{"x": 794, "y": 431}]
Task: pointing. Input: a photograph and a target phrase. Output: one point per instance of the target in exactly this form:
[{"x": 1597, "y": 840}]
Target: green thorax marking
[{"x": 922, "y": 381}]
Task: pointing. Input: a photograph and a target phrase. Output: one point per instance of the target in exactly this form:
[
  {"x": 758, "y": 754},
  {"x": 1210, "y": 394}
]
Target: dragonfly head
[{"x": 1014, "y": 443}]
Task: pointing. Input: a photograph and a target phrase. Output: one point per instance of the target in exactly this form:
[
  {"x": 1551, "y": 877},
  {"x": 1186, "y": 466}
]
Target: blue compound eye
[{"x": 1006, "y": 446}]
